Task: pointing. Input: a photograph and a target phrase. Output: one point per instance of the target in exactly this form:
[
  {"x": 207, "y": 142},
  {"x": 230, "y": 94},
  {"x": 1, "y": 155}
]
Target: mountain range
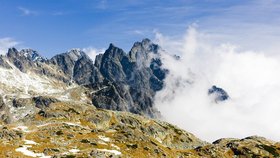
[
  {"x": 115, "y": 80},
  {"x": 72, "y": 106}
]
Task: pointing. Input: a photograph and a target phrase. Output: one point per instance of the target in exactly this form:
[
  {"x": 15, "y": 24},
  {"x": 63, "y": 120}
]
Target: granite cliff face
[{"x": 132, "y": 78}]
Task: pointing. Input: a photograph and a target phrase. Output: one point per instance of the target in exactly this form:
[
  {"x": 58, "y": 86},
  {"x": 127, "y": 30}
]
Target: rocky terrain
[
  {"x": 71, "y": 106},
  {"x": 66, "y": 129}
]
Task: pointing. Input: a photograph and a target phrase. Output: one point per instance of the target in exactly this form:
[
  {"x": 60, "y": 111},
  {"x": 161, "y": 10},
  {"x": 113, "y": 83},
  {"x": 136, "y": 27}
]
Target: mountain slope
[{"x": 66, "y": 129}]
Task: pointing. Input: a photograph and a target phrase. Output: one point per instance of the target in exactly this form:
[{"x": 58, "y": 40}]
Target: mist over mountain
[
  {"x": 88, "y": 105},
  {"x": 249, "y": 80}
]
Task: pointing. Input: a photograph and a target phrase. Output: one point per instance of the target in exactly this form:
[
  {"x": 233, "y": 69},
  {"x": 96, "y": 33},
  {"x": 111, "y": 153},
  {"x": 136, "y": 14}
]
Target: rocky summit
[{"x": 72, "y": 106}]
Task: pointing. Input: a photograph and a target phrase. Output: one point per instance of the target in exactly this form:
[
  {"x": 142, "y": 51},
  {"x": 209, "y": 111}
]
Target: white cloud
[
  {"x": 27, "y": 12},
  {"x": 92, "y": 52},
  {"x": 137, "y": 32},
  {"x": 6, "y": 43},
  {"x": 251, "y": 79}
]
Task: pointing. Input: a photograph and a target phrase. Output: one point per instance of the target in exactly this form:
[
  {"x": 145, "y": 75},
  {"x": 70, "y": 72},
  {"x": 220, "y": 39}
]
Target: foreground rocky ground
[
  {"x": 65, "y": 129},
  {"x": 74, "y": 130}
]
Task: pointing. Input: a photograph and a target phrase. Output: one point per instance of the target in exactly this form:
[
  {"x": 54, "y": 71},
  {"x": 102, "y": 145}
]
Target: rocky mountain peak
[
  {"x": 12, "y": 52},
  {"x": 146, "y": 40},
  {"x": 142, "y": 50},
  {"x": 66, "y": 61},
  {"x": 75, "y": 54},
  {"x": 111, "y": 45},
  {"x": 113, "y": 52},
  {"x": 31, "y": 55},
  {"x": 144, "y": 43},
  {"x": 25, "y": 54},
  {"x": 25, "y": 59}
]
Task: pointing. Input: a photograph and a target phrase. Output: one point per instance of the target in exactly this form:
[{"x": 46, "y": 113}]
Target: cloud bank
[{"x": 252, "y": 80}]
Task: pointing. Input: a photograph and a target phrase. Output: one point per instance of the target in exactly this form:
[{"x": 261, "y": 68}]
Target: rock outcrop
[
  {"x": 248, "y": 147},
  {"x": 4, "y": 112},
  {"x": 218, "y": 93}
]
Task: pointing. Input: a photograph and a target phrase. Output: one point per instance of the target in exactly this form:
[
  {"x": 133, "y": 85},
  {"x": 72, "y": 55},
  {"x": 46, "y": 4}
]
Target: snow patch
[
  {"x": 30, "y": 142},
  {"x": 75, "y": 124},
  {"x": 24, "y": 150},
  {"x": 105, "y": 139},
  {"x": 25, "y": 82},
  {"x": 65, "y": 97},
  {"x": 74, "y": 150},
  {"x": 92, "y": 92},
  {"x": 84, "y": 98},
  {"x": 113, "y": 145},
  {"x": 72, "y": 124},
  {"x": 21, "y": 128},
  {"x": 116, "y": 152},
  {"x": 110, "y": 131},
  {"x": 43, "y": 125},
  {"x": 159, "y": 140},
  {"x": 101, "y": 142}
]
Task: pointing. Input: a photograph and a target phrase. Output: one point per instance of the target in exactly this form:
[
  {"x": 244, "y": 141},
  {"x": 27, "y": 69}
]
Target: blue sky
[{"x": 54, "y": 26}]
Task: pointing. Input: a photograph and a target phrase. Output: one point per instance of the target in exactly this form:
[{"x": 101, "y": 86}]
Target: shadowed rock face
[
  {"x": 111, "y": 67},
  {"x": 66, "y": 61},
  {"x": 43, "y": 102},
  {"x": 136, "y": 77},
  {"x": 111, "y": 96},
  {"x": 84, "y": 72},
  {"x": 4, "y": 63},
  {"x": 19, "y": 59},
  {"x": 4, "y": 113},
  {"x": 2, "y": 104}
]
